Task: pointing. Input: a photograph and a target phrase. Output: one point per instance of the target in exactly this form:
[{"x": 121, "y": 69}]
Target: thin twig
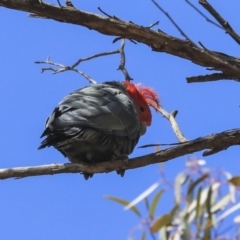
[
  {"x": 224, "y": 139},
  {"x": 148, "y": 224},
  {"x": 59, "y": 3},
  {"x": 157, "y": 40},
  {"x": 63, "y": 68},
  {"x": 173, "y": 22},
  {"x": 221, "y": 20},
  {"x": 171, "y": 118},
  {"x": 85, "y": 76},
  {"x": 203, "y": 15},
  {"x": 153, "y": 24},
  {"x": 123, "y": 61},
  {"x": 119, "y": 38},
  {"x": 94, "y": 56},
  {"x": 107, "y": 14}
]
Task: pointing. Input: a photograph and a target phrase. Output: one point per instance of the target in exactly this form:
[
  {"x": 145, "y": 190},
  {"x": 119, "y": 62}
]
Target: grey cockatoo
[{"x": 100, "y": 122}]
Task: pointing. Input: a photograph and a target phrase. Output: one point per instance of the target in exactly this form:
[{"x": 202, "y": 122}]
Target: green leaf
[
  {"x": 222, "y": 203},
  {"x": 163, "y": 235},
  {"x": 173, "y": 211},
  {"x": 235, "y": 181},
  {"x": 186, "y": 234},
  {"x": 203, "y": 198},
  {"x": 154, "y": 203},
  {"x": 207, "y": 232},
  {"x": 190, "y": 194},
  {"x": 232, "y": 188},
  {"x": 162, "y": 221},
  {"x": 200, "y": 220},
  {"x": 195, "y": 183},
  {"x": 198, "y": 202},
  {"x": 142, "y": 196},
  {"x": 143, "y": 237},
  {"x": 179, "y": 181},
  {"x": 208, "y": 202},
  {"x": 124, "y": 203},
  {"x": 146, "y": 203}
]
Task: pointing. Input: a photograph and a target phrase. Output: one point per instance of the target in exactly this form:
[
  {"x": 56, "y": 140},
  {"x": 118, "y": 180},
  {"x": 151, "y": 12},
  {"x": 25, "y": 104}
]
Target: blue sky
[{"x": 66, "y": 206}]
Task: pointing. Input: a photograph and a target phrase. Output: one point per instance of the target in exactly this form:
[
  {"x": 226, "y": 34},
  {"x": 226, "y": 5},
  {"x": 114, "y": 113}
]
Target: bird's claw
[
  {"x": 121, "y": 172},
  {"x": 87, "y": 175}
]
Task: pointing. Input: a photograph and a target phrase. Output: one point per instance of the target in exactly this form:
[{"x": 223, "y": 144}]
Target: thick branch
[
  {"x": 216, "y": 142},
  {"x": 157, "y": 40}
]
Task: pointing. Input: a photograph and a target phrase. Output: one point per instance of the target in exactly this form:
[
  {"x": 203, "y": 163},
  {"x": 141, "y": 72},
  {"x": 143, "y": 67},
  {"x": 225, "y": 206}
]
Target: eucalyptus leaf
[
  {"x": 155, "y": 203},
  {"x": 124, "y": 203}
]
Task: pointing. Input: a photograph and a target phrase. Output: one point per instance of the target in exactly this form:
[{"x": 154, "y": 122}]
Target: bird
[{"x": 100, "y": 122}]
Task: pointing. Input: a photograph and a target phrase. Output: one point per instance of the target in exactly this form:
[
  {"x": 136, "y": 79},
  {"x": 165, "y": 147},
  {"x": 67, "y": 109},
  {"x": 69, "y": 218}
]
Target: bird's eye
[{"x": 142, "y": 109}]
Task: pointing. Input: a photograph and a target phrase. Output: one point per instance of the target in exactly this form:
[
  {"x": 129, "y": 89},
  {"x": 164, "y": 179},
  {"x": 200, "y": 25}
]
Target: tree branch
[
  {"x": 173, "y": 22},
  {"x": 203, "y": 15},
  {"x": 221, "y": 20},
  {"x": 157, "y": 40},
  {"x": 216, "y": 142},
  {"x": 209, "y": 78},
  {"x": 63, "y": 68},
  {"x": 123, "y": 62},
  {"x": 171, "y": 118}
]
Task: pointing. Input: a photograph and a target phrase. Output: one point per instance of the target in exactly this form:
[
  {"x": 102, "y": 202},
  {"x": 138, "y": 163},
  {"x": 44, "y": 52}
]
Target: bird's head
[{"x": 143, "y": 97}]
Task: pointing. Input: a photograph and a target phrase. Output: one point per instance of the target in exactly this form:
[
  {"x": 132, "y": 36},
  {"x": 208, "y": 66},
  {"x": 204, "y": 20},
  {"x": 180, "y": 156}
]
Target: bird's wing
[{"x": 103, "y": 107}]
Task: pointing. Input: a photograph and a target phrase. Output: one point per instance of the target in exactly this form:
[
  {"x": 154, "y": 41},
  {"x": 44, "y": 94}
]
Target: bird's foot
[
  {"x": 121, "y": 172},
  {"x": 87, "y": 175}
]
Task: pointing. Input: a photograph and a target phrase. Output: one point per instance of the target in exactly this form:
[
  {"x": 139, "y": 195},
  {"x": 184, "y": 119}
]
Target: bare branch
[
  {"x": 210, "y": 78},
  {"x": 153, "y": 24},
  {"x": 173, "y": 22},
  {"x": 63, "y": 68},
  {"x": 59, "y": 3},
  {"x": 220, "y": 141},
  {"x": 114, "y": 17},
  {"x": 211, "y": 54},
  {"x": 203, "y": 15},
  {"x": 94, "y": 56},
  {"x": 222, "y": 59},
  {"x": 221, "y": 20},
  {"x": 85, "y": 76},
  {"x": 173, "y": 122},
  {"x": 123, "y": 61},
  {"x": 157, "y": 40}
]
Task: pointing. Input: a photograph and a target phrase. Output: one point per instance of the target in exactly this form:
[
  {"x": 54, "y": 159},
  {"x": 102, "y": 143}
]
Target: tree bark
[
  {"x": 157, "y": 40},
  {"x": 214, "y": 143}
]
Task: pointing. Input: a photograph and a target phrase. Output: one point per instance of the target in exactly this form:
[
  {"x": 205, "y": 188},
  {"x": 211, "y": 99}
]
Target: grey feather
[{"x": 94, "y": 124}]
